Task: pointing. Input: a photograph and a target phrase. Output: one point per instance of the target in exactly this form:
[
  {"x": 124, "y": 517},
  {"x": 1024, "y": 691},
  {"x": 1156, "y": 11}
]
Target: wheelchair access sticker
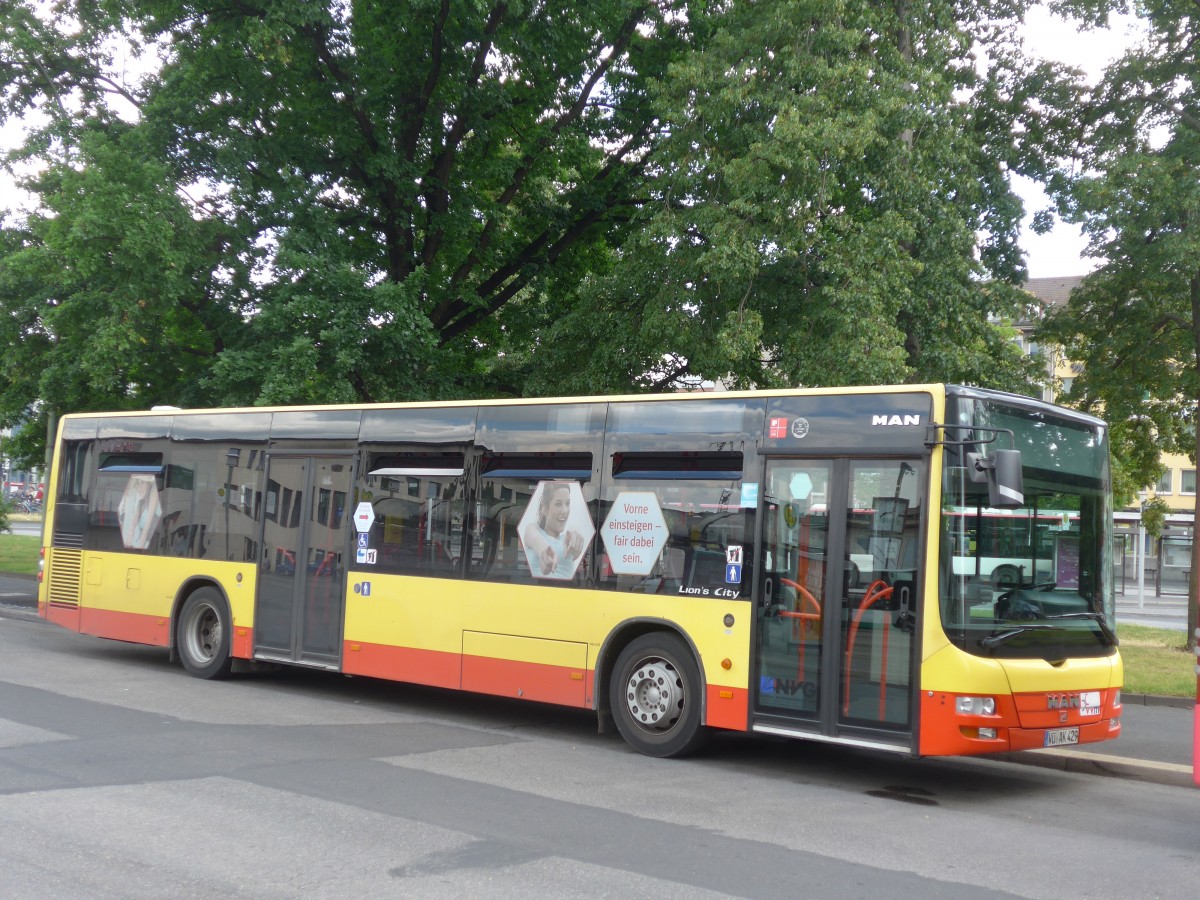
[{"x": 733, "y": 564}]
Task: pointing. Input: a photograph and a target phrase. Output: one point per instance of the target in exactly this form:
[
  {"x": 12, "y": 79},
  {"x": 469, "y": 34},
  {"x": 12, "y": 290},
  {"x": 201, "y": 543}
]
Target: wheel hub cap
[{"x": 654, "y": 695}]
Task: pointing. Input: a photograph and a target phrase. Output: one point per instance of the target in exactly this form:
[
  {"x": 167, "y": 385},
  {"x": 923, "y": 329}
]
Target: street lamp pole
[{"x": 1140, "y": 555}]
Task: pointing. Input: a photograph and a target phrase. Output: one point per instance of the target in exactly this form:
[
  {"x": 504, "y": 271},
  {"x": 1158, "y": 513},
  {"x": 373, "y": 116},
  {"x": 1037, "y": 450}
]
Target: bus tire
[
  {"x": 655, "y": 696},
  {"x": 202, "y": 635}
]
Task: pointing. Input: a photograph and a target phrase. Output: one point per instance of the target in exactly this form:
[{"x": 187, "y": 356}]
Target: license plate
[{"x": 1056, "y": 737}]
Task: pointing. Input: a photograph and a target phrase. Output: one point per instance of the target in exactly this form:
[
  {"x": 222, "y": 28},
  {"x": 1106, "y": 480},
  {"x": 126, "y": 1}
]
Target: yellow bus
[{"x": 782, "y": 562}]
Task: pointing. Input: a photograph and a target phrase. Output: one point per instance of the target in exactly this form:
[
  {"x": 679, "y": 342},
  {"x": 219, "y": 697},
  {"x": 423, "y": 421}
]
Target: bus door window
[
  {"x": 323, "y": 592},
  {"x": 795, "y": 569},
  {"x": 879, "y": 606}
]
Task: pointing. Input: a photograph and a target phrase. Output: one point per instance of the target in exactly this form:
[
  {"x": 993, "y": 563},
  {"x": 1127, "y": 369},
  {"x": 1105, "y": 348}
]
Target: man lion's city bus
[{"x": 799, "y": 563}]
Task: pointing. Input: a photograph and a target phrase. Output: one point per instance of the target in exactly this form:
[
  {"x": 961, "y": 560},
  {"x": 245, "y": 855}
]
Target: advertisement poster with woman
[
  {"x": 139, "y": 512},
  {"x": 555, "y": 530}
]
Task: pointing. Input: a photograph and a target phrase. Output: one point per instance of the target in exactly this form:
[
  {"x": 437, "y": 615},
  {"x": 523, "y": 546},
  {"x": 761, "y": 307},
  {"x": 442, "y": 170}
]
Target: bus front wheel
[
  {"x": 654, "y": 692},
  {"x": 202, "y": 635}
]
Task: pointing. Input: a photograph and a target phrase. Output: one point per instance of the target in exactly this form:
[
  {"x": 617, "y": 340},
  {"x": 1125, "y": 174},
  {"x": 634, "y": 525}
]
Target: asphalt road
[
  {"x": 122, "y": 777},
  {"x": 1156, "y": 743}
]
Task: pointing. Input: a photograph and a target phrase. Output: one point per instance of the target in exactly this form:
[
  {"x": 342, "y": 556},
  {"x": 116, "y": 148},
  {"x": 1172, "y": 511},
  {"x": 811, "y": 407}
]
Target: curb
[
  {"x": 1156, "y": 700},
  {"x": 1084, "y": 763}
]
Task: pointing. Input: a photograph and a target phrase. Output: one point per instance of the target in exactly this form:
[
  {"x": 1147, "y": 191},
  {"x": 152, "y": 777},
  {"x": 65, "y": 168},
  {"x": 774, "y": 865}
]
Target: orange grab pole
[
  {"x": 804, "y": 595},
  {"x": 876, "y": 591}
]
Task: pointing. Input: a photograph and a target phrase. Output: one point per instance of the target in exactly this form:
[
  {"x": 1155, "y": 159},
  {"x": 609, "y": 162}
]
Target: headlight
[
  {"x": 1117, "y": 699},
  {"x": 975, "y": 706}
]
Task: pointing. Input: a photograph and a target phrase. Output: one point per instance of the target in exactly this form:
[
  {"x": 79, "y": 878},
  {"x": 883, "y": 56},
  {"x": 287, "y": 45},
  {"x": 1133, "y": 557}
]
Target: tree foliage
[
  {"x": 1134, "y": 187},
  {"x": 815, "y": 212},
  {"x": 314, "y": 202},
  {"x": 323, "y": 202}
]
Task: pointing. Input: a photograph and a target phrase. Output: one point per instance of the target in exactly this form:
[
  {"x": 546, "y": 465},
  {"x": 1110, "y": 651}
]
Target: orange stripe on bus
[
  {"x": 122, "y": 626},
  {"x": 67, "y": 617},
  {"x": 242, "y": 646},
  {"x": 728, "y": 707},
  {"x": 431, "y": 667},
  {"x": 529, "y": 681}
]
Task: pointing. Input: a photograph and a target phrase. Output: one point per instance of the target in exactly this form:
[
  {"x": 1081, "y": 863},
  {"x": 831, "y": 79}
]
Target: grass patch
[
  {"x": 19, "y": 553},
  {"x": 1157, "y": 661}
]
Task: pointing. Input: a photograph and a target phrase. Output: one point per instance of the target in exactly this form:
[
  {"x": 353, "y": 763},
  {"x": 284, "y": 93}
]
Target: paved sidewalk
[{"x": 1168, "y": 611}]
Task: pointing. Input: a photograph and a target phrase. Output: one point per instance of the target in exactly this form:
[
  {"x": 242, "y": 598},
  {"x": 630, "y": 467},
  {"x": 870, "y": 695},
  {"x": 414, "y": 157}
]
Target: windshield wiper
[
  {"x": 1003, "y": 637},
  {"x": 1096, "y": 617}
]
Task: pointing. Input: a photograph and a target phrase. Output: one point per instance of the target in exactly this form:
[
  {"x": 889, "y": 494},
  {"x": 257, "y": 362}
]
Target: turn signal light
[{"x": 978, "y": 734}]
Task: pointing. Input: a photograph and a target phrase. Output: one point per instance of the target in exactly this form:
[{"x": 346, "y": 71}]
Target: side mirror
[{"x": 1002, "y": 472}]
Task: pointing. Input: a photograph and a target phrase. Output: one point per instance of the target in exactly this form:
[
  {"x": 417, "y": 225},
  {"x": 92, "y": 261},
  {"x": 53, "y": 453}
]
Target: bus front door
[
  {"x": 301, "y": 596},
  {"x": 837, "y": 606}
]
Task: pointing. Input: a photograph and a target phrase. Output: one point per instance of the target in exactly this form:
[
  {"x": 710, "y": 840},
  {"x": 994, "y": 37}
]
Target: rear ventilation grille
[
  {"x": 66, "y": 567},
  {"x": 70, "y": 539}
]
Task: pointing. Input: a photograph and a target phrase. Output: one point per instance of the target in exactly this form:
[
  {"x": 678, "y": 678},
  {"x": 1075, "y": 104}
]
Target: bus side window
[
  {"x": 534, "y": 519},
  {"x": 74, "y": 477},
  {"x": 125, "y": 511},
  {"x": 419, "y": 502},
  {"x": 704, "y": 549}
]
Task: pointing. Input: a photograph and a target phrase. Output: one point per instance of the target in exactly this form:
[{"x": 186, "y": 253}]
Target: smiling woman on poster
[{"x": 552, "y": 539}]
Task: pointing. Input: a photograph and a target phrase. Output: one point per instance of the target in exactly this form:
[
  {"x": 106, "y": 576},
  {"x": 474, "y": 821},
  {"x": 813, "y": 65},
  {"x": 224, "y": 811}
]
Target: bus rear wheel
[
  {"x": 654, "y": 692},
  {"x": 202, "y": 635}
]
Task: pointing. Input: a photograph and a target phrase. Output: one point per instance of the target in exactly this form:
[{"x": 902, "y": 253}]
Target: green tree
[
  {"x": 1134, "y": 188},
  {"x": 314, "y": 201},
  {"x": 377, "y": 201},
  {"x": 113, "y": 292},
  {"x": 815, "y": 213}
]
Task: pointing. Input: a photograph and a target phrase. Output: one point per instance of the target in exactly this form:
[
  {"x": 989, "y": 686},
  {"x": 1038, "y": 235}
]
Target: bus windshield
[{"x": 1035, "y": 581}]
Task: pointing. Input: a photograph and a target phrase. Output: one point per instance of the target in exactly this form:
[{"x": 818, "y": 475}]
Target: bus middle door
[{"x": 301, "y": 584}]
